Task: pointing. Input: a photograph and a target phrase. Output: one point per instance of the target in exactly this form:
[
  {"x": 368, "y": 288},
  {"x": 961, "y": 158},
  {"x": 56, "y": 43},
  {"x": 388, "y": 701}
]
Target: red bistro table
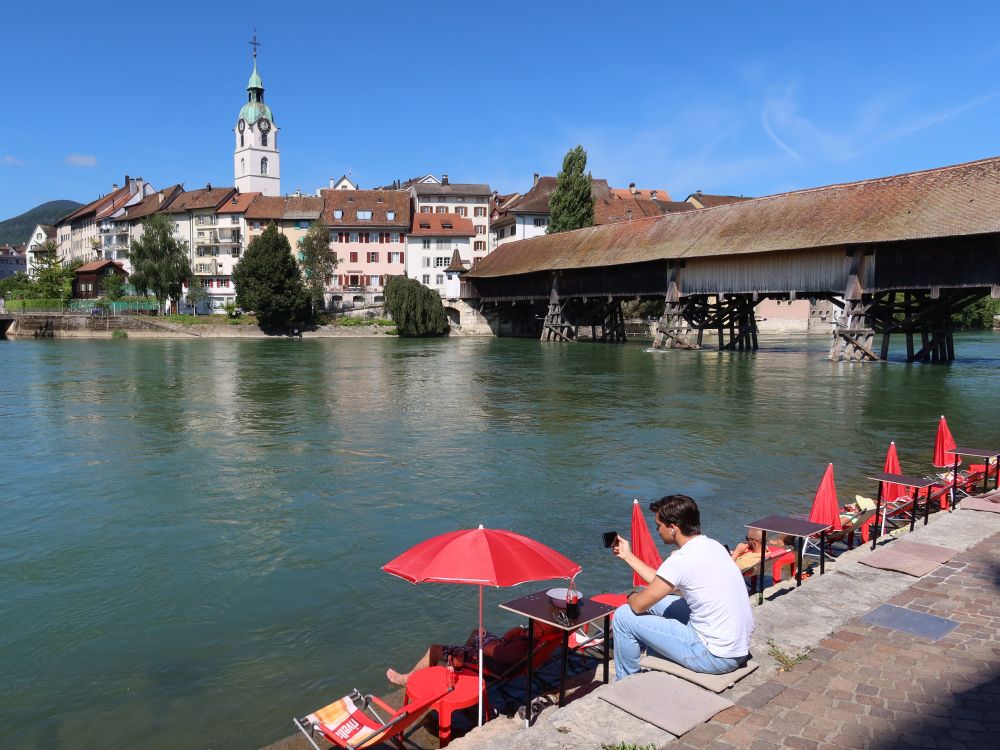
[{"x": 431, "y": 681}]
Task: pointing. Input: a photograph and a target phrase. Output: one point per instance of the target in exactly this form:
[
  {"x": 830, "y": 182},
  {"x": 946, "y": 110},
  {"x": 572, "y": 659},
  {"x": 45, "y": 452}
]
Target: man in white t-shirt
[{"x": 694, "y": 610}]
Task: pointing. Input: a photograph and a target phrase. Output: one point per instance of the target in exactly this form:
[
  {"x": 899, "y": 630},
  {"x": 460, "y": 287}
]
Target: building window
[
  {"x": 425, "y": 209},
  {"x": 427, "y": 244},
  {"x": 364, "y": 237},
  {"x": 396, "y": 237},
  {"x": 304, "y": 224},
  {"x": 354, "y": 257},
  {"x": 441, "y": 210},
  {"x": 263, "y": 165},
  {"x": 442, "y": 244},
  {"x": 343, "y": 236},
  {"x": 383, "y": 237},
  {"x": 439, "y": 279},
  {"x": 480, "y": 229},
  {"x": 481, "y": 199},
  {"x": 479, "y": 211},
  {"x": 263, "y": 139},
  {"x": 241, "y": 141},
  {"x": 442, "y": 261},
  {"x": 425, "y": 279},
  {"x": 374, "y": 280},
  {"x": 364, "y": 215},
  {"x": 373, "y": 257},
  {"x": 390, "y": 215},
  {"x": 395, "y": 257},
  {"x": 338, "y": 213},
  {"x": 479, "y": 246},
  {"x": 541, "y": 222},
  {"x": 243, "y": 164},
  {"x": 513, "y": 231},
  {"x": 426, "y": 262},
  {"x": 461, "y": 210}
]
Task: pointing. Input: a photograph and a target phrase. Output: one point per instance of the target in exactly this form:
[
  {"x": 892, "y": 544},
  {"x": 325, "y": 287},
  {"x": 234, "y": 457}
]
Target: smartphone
[{"x": 610, "y": 537}]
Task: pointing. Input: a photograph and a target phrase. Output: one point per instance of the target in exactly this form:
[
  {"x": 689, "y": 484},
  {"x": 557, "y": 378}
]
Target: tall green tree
[
  {"x": 159, "y": 260},
  {"x": 415, "y": 309},
  {"x": 571, "y": 205},
  {"x": 269, "y": 282},
  {"x": 113, "y": 287},
  {"x": 52, "y": 280},
  {"x": 318, "y": 261}
]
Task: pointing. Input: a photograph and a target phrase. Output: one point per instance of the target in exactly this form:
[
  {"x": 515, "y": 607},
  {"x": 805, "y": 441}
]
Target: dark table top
[
  {"x": 537, "y": 606},
  {"x": 904, "y": 480},
  {"x": 788, "y": 525},
  {"x": 976, "y": 452}
]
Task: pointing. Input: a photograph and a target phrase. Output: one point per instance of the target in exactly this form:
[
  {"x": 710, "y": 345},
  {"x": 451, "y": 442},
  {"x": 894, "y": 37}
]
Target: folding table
[
  {"x": 917, "y": 483},
  {"x": 539, "y": 607},
  {"x": 788, "y": 526},
  {"x": 982, "y": 453}
]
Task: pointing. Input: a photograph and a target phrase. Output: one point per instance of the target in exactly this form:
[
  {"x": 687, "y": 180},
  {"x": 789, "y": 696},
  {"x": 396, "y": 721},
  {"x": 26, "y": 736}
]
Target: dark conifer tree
[
  {"x": 571, "y": 205},
  {"x": 269, "y": 282}
]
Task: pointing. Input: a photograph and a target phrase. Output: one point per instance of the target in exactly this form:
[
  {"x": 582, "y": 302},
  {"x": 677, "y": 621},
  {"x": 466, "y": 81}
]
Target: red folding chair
[{"x": 353, "y": 723}]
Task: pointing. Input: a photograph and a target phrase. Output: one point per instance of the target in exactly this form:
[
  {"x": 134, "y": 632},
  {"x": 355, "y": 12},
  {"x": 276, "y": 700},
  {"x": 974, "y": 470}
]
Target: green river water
[{"x": 192, "y": 530}]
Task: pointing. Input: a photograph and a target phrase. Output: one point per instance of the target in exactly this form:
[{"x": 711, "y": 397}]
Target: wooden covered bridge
[{"x": 898, "y": 254}]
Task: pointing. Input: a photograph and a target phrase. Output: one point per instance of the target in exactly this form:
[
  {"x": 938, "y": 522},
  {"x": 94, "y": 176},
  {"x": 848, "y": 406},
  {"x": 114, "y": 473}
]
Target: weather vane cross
[{"x": 254, "y": 43}]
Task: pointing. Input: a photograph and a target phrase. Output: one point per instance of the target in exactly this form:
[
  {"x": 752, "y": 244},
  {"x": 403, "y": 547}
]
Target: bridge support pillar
[
  {"x": 674, "y": 327},
  {"x": 556, "y": 327},
  {"x": 926, "y": 313},
  {"x": 854, "y": 339}
]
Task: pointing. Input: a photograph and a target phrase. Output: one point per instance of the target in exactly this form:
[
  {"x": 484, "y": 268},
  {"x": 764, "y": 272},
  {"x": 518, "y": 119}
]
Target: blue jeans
[{"x": 664, "y": 631}]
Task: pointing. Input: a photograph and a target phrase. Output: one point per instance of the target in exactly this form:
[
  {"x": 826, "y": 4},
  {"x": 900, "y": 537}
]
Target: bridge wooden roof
[{"x": 952, "y": 201}]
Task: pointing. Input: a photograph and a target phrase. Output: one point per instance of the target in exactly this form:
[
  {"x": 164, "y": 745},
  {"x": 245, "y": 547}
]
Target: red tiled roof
[
  {"x": 97, "y": 205},
  {"x": 266, "y": 207},
  {"x": 237, "y": 204},
  {"x": 441, "y": 225},
  {"x": 662, "y": 195},
  {"x": 97, "y": 265},
  {"x": 298, "y": 207},
  {"x": 200, "y": 199},
  {"x": 959, "y": 200},
  {"x": 152, "y": 203},
  {"x": 379, "y": 202}
]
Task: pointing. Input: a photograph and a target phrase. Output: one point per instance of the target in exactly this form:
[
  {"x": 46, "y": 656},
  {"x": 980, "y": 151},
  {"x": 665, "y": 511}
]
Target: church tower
[{"x": 256, "y": 162}]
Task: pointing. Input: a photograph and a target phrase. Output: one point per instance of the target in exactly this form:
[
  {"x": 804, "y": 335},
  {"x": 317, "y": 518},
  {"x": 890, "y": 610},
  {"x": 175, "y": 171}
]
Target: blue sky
[{"x": 743, "y": 98}]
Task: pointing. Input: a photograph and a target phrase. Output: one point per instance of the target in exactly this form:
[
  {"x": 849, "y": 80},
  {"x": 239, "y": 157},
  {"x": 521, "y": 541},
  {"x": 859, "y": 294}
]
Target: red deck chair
[
  {"x": 353, "y": 723},
  {"x": 591, "y": 637}
]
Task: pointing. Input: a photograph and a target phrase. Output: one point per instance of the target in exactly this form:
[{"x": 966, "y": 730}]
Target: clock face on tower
[
  {"x": 264, "y": 126},
  {"x": 241, "y": 125}
]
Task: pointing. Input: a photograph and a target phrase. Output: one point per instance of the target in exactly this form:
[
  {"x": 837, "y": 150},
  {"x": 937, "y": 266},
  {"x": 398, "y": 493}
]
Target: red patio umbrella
[
  {"x": 482, "y": 557},
  {"x": 891, "y": 492},
  {"x": 943, "y": 443},
  {"x": 826, "y": 507},
  {"x": 643, "y": 545}
]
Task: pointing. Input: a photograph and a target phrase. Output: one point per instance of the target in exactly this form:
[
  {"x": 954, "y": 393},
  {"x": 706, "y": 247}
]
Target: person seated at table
[
  {"x": 752, "y": 544},
  {"x": 694, "y": 609},
  {"x": 500, "y": 653}
]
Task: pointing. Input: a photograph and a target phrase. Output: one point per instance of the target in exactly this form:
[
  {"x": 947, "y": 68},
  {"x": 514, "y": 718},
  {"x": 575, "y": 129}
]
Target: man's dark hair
[{"x": 680, "y": 510}]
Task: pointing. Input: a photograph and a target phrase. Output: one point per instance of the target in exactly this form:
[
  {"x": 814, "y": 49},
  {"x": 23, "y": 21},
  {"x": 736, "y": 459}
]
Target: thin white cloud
[
  {"x": 13, "y": 161},
  {"x": 766, "y": 123},
  {"x": 81, "y": 160}
]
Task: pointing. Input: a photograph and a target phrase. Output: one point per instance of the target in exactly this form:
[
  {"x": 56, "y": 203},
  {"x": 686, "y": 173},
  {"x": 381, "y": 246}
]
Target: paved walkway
[{"x": 858, "y": 686}]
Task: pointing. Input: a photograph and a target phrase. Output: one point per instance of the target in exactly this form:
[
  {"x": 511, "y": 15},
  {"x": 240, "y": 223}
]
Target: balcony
[
  {"x": 206, "y": 238},
  {"x": 112, "y": 229},
  {"x": 206, "y": 221},
  {"x": 228, "y": 237}
]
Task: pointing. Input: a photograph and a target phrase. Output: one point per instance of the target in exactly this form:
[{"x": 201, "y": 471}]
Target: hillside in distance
[{"x": 15, "y": 231}]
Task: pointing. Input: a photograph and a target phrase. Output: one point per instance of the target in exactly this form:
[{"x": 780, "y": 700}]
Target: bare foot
[{"x": 396, "y": 678}]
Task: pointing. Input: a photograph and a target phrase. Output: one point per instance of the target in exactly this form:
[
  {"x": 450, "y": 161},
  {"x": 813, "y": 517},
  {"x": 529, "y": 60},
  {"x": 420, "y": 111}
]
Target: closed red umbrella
[
  {"x": 482, "y": 557},
  {"x": 943, "y": 443},
  {"x": 826, "y": 507},
  {"x": 643, "y": 545},
  {"x": 891, "y": 492}
]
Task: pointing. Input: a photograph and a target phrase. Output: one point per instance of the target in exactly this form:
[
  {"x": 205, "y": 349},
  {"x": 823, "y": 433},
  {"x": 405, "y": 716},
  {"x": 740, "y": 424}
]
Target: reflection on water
[{"x": 193, "y": 530}]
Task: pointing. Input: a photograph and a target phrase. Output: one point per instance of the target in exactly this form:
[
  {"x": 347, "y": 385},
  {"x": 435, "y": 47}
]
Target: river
[{"x": 193, "y": 529}]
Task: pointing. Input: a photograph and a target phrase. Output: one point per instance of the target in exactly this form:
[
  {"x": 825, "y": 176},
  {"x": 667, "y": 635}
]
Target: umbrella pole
[{"x": 480, "y": 655}]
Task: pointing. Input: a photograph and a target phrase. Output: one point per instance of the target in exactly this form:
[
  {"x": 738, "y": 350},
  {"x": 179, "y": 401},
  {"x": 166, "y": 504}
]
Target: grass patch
[
  {"x": 118, "y": 333},
  {"x": 210, "y": 320},
  {"x": 350, "y": 322},
  {"x": 785, "y": 660},
  {"x": 392, "y": 332}
]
